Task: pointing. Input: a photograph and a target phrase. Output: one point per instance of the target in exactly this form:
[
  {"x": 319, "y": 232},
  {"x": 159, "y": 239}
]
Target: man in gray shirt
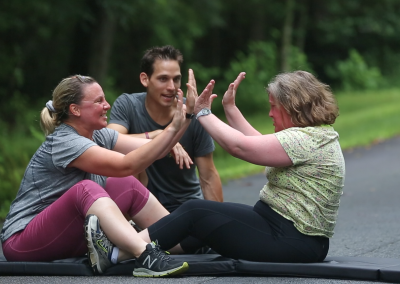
[{"x": 147, "y": 114}]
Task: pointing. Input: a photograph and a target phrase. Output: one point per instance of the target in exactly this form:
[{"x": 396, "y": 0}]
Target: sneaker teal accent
[
  {"x": 100, "y": 247},
  {"x": 154, "y": 262}
]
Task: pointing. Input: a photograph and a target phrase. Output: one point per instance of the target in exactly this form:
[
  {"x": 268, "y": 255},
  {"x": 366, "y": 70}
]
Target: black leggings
[{"x": 239, "y": 231}]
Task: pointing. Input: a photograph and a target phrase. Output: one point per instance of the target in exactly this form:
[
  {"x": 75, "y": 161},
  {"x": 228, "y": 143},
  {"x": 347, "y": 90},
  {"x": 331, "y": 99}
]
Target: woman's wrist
[
  {"x": 172, "y": 129},
  {"x": 228, "y": 106}
]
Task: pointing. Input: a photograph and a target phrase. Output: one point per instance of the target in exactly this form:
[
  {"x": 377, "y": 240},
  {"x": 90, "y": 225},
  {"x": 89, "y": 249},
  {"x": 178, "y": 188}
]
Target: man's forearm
[{"x": 212, "y": 187}]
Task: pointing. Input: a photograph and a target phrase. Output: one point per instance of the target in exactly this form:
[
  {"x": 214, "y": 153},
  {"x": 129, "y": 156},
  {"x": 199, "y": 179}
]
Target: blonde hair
[
  {"x": 308, "y": 101},
  {"x": 67, "y": 92}
]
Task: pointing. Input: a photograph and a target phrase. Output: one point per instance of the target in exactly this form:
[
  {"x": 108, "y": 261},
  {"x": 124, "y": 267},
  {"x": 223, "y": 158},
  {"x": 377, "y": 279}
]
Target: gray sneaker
[
  {"x": 100, "y": 247},
  {"x": 154, "y": 262}
]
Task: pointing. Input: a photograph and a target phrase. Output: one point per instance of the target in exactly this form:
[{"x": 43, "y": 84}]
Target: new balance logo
[
  {"x": 149, "y": 262},
  {"x": 101, "y": 245}
]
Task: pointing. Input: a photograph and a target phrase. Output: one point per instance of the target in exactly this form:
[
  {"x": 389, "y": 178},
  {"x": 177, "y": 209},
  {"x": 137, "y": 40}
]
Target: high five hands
[
  {"x": 195, "y": 103},
  {"x": 229, "y": 97},
  {"x": 181, "y": 157},
  {"x": 206, "y": 97}
]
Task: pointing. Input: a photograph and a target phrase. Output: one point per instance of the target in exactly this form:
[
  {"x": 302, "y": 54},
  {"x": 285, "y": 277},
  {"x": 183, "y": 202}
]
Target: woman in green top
[{"x": 297, "y": 210}]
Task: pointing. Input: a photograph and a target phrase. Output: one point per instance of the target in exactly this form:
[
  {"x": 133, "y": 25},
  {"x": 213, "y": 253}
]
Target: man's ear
[
  {"x": 74, "y": 110},
  {"x": 144, "y": 79}
]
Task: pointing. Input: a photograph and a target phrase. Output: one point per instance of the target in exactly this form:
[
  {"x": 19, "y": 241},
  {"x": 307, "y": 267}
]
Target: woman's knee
[
  {"x": 116, "y": 186},
  {"x": 128, "y": 193},
  {"x": 199, "y": 203},
  {"x": 88, "y": 184},
  {"x": 85, "y": 193},
  {"x": 194, "y": 205}
]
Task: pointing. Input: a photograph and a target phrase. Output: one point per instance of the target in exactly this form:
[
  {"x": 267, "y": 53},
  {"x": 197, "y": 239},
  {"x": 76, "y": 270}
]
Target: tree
[{"x": 287, "y": 35}]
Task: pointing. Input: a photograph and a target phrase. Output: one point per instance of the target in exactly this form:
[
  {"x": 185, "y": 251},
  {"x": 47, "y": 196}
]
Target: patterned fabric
[{"x": 308, "y": 192}]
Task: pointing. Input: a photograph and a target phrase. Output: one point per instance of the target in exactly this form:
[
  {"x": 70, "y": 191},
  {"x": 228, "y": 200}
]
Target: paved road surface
[{"x": 368, "y": 223}]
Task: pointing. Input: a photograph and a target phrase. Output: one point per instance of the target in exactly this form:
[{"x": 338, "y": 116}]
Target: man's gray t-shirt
[
  {"x": 47, "y": 176},
  {"x": 171, "y": 185}
]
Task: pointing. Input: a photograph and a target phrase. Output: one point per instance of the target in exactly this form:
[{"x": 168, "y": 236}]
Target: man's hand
[
  {"x": 182, "y": 158},
  {"x": 191, "y": 95},
  {"x": 179, "y": 117},
  {"x": 229, "y": 97}
]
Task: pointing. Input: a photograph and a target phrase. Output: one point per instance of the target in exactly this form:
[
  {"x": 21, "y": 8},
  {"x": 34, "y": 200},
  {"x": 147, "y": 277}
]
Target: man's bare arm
[{"x": 210, "y": 181}]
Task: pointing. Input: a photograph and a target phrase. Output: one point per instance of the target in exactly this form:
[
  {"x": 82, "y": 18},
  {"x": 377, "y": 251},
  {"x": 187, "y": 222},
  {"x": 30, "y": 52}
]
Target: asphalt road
[{"x": 368, "y": 223}]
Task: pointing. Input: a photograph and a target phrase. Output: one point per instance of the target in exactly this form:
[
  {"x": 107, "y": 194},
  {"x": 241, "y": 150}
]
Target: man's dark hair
[{"x": 167, "y": 52}]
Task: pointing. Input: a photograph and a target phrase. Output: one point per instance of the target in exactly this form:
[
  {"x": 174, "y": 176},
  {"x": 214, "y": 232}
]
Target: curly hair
[
  {"x": 67, "y": 92},
  {"x": 308, "y": 101}
]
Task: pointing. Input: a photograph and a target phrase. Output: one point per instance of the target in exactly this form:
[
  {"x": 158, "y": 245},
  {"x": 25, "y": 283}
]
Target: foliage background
[{"x": 351, "y": 45}]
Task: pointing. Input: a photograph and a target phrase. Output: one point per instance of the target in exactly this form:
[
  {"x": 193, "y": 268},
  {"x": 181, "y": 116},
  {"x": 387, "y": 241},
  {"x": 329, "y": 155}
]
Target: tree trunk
[
  {"x": 101, "y": 44},
  {"x": 257, "y": 32},
  {"x": 287, "y": 36},
  {"x": 302, "y": 26}
]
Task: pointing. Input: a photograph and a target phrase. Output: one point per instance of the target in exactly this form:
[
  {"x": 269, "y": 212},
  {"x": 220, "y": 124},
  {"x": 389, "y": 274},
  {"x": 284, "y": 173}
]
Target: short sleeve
[
  {"x": 297, "y": 145},
  {"x": 67, "y": 147},
  {"x": 106, "y": 138},
  {"x": 121, "y": 111}
]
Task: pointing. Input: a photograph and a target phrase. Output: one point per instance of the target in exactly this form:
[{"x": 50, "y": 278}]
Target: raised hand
[
  {"x": 191, "y": 95},
  {"x": 179, "y": 116},
  {"x": 229, "y": 96},
  {"x": 206, "y": 98}
]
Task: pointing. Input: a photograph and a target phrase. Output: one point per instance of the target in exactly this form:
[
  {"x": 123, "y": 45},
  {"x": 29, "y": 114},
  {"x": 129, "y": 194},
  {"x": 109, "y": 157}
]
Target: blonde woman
[{"x": 81, "y": 176}]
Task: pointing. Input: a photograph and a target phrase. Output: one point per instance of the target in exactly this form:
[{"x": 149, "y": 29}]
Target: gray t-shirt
[
  {"x": 171, "y": 185},
  {"x": 47, "y": 177}
]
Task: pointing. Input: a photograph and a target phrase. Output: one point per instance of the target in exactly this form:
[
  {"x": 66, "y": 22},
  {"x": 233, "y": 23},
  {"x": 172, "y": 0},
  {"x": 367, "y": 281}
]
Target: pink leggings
[{"x": 57, "y": 232}]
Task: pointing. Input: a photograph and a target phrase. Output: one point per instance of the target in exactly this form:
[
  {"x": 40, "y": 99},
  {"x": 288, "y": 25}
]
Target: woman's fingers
[
  {"x": 230, "y": 94},
  {"x": 239, "y": 79}
]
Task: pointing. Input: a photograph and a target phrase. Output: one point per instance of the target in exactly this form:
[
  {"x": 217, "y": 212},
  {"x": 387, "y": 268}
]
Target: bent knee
[{"x": 195, "y": 204}]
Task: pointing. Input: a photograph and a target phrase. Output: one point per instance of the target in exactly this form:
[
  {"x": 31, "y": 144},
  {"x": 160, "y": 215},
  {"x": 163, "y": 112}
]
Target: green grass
[
  {"x": 368, "y": 117},
  {"x": 230, "y": 167},
  {"x": 365, "y": 118}
]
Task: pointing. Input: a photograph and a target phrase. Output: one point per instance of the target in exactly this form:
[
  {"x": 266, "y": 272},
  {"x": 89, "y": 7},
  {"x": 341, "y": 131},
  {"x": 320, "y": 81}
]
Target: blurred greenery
[
  {"x": 354, "y": 46},
  {"x": 366, "y": 117},
  {"x": 354, "y": 74}
]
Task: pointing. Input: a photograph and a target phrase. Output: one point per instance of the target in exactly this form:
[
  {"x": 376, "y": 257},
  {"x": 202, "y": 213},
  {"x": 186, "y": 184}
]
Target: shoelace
[
  {"x": 161, "y": 254},
  {"x": 103, "y": 238}
]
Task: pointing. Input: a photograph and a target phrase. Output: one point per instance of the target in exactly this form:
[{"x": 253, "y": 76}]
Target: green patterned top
[{"x": 308, "y": 192}]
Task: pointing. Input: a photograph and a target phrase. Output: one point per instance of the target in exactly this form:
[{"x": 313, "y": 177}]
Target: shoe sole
[
  {"x": 93, "y": 256},
  {"x": 143, "y": 272}
]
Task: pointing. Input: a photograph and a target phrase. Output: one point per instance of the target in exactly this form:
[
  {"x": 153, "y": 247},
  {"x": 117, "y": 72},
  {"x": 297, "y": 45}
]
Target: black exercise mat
[
  {"x": 390, "y": 273},
  {"x": 65, "y": 267},
  {"x": 356, "y": 268},
  {"x": 199, "y": 264},
  {"x": 353, "y": 268}
]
